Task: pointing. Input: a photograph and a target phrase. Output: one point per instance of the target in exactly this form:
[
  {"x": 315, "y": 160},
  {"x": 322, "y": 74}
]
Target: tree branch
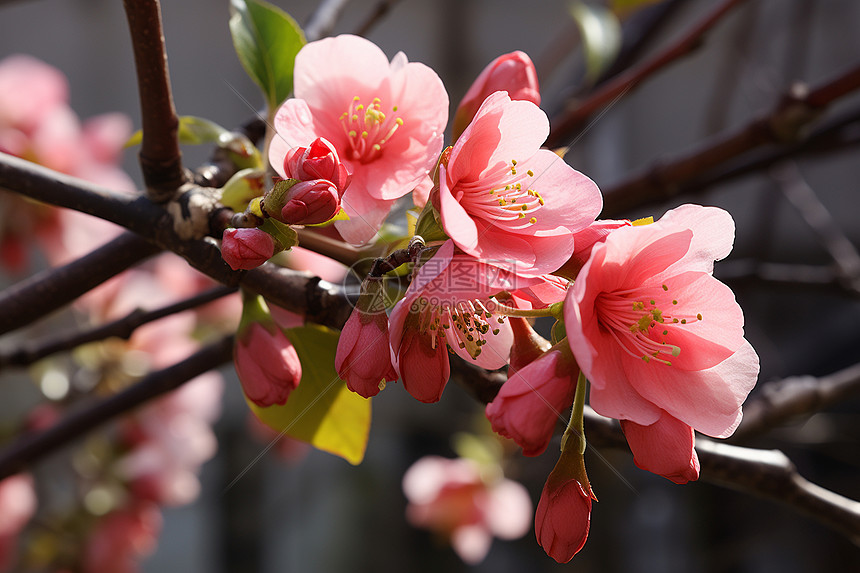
[
  {"x": 567, "y": 125},
  {"x": 29, "y": 448},
  {"x": 32, "y": 351},
  {"x": 780, "y": 401},
  {"x": 784, "y": 124},
  {"x": 322, "y": 21},
  {"x": 160, "y": 157},
  {"x": 43, "y": 293},
  {"x": 382, "y": 8}
]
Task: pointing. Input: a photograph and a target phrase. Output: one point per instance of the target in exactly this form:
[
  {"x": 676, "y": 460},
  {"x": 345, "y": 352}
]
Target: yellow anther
[
  {"x": 352, "y": 133},
  {"x": 533, "y": 220},
  {"x": 531, "y": 173}
]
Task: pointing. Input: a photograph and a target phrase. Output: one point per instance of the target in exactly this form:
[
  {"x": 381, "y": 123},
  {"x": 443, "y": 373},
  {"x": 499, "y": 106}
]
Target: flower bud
[
  {"x": 563, "y": 514},
  {"x": 317, "y": 161},
  {"x": 363, "y": 357},
  {"x": 310, "y": 203},
  {"x": 246, "y": 248},
  {"x": 266, "y": 361},
  {"x": 513, "y": 73}
]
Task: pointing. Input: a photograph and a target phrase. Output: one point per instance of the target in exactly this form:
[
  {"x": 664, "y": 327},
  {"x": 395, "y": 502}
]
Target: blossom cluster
[{"x": 511, "y": 232}]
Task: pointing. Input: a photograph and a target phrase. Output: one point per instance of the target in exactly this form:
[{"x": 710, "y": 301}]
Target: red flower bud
[
  {"x": 246, "y": 248},
  {"x": 317, "y": 161},
  {"x": 267, "y": 364},
  {"x": 513, "y": 73},
  {"x": 310, "y": 202}
]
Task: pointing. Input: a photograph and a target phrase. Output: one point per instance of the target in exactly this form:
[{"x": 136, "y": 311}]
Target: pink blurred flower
[
  {"x": 17, "y": 506},
  {"x": 513, "y": 73},
  {"x": 363, "y": 358},
  {"x": 310, "y": 203},
  {"x": 563, "y": 513},
  {"x": 121, "y": 539},
  {"x": 267, "y": 364},
  {"x": 385, "y": 119},
  {"x": 319, "y": 160},
  {"x": 502, "y": 198},
  {"x": 450, "y": 497},
  {"x": 449, "y": 302},
  {"x": 246, "y": 248},
  {"x": 530, "y": 403},
  {"x": 655, "y": 332}
]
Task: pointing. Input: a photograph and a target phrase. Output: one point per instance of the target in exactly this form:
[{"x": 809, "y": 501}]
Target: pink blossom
[
  {"x": 310, "y": 203},
  {"x": 513, "y": 73},
  {"x": 121, "y": 539},
  {"x": 317, "y": 161},
  {"x": 246, "y": 248},
  {"x": 450, "y": 497},
  {"x": 563, "y": 514},
  {"x": 448, "y": 301},
  {"x": 666, "y": 448},
  {"x": 533, "y": 399},
  {"x": 267, "y": 364},
  {"x": 655, "y": 332},
  {"x": 585, "y": 240},
  {"x": 503, "y": 198},
  {"x": 385, "y": 119},
  {"x": 363, "y": 358},
  {"x": 17, "y": 506}
]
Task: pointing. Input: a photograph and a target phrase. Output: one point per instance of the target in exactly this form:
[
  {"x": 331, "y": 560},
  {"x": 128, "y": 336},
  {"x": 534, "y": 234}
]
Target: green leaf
[
  {"x": 284, "y": 234},
  {"x": 624, "y": 6},
  {"x": 601, "y": 36},
  {"x": 267, "y": 40},
  {"x": 196, "y": 130},
  {"x": 322, "y": 410},
  {"x": 242, "y": 187}
]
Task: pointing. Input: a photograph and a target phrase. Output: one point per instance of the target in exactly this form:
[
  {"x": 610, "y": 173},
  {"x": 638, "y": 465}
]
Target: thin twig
[
  {"x": 786, "y": 123},
  {"x": 565, "y": 127},
  {"x": 43, "y": 293},
  {"x": 382, "y": 8},
  {"x": 32, "y": 447},
  {"x": 33, "y": 351},
  {"x": 809, "y": 206},
  {"x": 322, "y": 21},
  {"x": 160, "y": 157}
]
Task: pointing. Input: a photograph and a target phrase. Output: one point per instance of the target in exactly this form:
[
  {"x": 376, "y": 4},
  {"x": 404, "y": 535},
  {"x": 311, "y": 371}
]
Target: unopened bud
[
  {"x": 317, "y": 161},
  {"x": 513, "y": 73},
  {"x": 246, "y": 248},
  {"x": 310, "y": 203}
]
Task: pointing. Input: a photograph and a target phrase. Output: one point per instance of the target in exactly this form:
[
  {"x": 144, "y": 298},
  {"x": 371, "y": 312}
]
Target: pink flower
[
  {"x": 317, "y": 161},
  {"x": 310, "y": 203},
  {"x": 503, "y": 198},
  {"x": 655, "y": 332},
  {"x": 385, "y": 119},
  {"x": 246, "y": 248},
  {"x": 448, "y": 302},
  {"x": 513, "y": 73},
  {"x": 121, "y": 539},
  {"x": 585, "y": 240},
  {"x": 267, "y": 364},
  {"x": 563, "y": 513},
  {"x": 17, "y": 506},
  {"x": 665, "y": 448},
  {"x": 530, "y": 403},
  {"x": 450, "y": 497},
  {"x": 363, "y": 358}
]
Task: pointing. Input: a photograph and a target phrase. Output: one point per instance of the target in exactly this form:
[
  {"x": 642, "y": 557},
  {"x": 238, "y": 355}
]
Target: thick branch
[
  {"x": 160, "y": 158},
  {"x": 41, "y": 294},
  {"x": 29, "y": 448},
  {"x": 566, "y": 126},
  {"x": 322, "y": 21},
  {"x": 779, "y": 401},
  {"x": 784, "y": 124},
  {"x": 32, "y": 351}
]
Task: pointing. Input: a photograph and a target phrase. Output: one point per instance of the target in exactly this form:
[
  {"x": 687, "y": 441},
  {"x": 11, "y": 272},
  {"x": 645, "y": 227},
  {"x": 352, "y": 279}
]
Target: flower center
[
  {"x": 470, "y": 321},
  {"x": 641, "y": 327},
  {"x": 511, "y": 201},
  {"x": 368, "y": 129}
]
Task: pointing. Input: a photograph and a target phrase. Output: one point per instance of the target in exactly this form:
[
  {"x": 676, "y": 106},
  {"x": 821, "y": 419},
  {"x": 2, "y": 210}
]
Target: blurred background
[{"x": 315, "y": 512}]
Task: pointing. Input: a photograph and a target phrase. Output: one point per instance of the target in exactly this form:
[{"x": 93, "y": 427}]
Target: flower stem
[
  {"x": 576, "y": 425},
  {"x": 522, "y": 313}
]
